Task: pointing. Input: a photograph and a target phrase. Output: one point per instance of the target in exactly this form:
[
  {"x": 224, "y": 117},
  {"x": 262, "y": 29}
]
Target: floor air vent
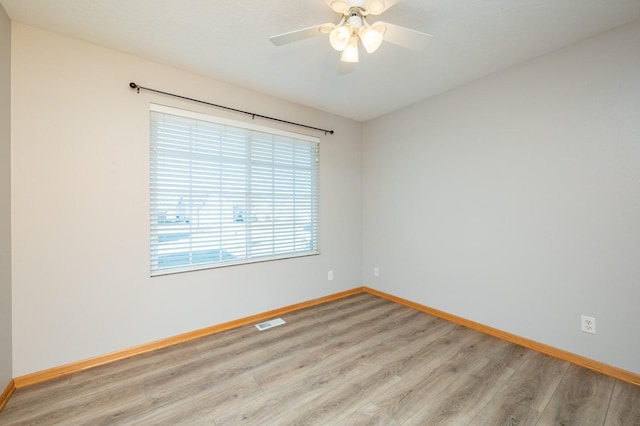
[{"x": 269, "y": 324}]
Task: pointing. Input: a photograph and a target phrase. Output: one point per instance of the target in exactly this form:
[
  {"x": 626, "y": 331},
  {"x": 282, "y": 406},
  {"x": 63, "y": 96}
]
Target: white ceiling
[{"x": 229, "y": 41}]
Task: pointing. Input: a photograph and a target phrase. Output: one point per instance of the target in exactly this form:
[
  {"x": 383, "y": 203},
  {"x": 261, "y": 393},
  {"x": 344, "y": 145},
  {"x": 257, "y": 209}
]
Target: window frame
[{"x": 312, "y": 143}]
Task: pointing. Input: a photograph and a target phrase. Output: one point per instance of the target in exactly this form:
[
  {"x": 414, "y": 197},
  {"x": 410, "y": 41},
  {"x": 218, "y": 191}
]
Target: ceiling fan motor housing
[
  {"x": 355, "y": 20},
  {"x": 365, "y": 7}
]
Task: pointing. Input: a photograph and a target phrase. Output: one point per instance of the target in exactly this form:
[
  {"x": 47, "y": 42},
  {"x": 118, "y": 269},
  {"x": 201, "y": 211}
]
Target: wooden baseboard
[
  {"x": 74, "y": 367},
  {"x": 600, "y": 367},
  {"x": 6, "y": 394}
]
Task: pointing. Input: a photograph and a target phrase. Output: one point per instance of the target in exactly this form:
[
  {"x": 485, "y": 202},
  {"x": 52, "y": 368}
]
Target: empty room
[{"x": 371, "y": 212}]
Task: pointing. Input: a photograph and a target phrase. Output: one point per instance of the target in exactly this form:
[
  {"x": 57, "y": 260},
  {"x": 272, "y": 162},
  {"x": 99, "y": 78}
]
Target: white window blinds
[{"x": 225, "y": 194}]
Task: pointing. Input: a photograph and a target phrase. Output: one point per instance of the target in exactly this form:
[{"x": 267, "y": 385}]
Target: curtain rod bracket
[{"x": 252, "y": 114}]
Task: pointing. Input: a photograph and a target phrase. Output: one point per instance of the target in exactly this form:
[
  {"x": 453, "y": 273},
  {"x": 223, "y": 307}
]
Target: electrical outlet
[
  {"x": 330, "y": 275},
  {"x": 588, "y": 324},
  {"x": 376, "y": 272}
]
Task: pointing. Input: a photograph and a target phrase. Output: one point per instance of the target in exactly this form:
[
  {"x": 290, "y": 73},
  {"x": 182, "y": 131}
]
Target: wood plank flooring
[{"x": 361, "y": 360}]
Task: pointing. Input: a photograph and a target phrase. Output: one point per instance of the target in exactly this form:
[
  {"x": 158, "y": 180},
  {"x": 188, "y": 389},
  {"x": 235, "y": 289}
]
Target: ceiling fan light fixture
[
  {"x": 371, "y": 39},
  {"x": 339, "y": 37},
  {"x": 345, "y": 36},
  {"x": 350, "y": 53}
]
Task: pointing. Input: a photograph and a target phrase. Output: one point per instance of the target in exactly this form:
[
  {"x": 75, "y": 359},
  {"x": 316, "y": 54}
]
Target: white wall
[
  {"x": 512, "y": 201},
  {"x": 515, "y": 201},
  {"x": 81, "y": 207},
  {"x": 5, "y": 200}
]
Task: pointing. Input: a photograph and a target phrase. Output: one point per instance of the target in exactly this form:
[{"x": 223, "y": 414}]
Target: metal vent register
[{"x": 269, "y": 324}]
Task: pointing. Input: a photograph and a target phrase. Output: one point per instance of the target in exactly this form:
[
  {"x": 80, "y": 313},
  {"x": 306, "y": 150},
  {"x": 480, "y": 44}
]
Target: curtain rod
[{"x": 253, "y": 115}]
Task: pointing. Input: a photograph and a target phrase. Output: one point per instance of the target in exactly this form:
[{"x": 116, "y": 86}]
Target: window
[{"x": 225, "y": 193}]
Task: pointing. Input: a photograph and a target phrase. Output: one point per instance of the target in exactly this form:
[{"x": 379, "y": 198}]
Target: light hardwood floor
[{"x": 361, "y": 360}]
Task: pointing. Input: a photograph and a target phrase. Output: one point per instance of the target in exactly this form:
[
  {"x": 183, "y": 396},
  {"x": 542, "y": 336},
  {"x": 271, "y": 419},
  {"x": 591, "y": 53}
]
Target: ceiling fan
[{"x": 354, "y": 28}]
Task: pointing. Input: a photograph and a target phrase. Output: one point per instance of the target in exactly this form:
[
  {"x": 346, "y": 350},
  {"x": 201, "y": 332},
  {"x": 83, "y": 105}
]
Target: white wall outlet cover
[{"x": 588, "y": 324}]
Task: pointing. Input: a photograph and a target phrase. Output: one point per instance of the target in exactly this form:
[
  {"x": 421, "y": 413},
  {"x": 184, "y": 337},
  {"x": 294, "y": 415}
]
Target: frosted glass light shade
[
  {"x": 350, "y": 53},
  {"x": 371, "y": 39},
  {"x": 339, "y": 38}
]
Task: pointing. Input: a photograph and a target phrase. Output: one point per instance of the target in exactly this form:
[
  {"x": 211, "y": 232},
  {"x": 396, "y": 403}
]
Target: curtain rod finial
[{"x": 133, "y": 85}]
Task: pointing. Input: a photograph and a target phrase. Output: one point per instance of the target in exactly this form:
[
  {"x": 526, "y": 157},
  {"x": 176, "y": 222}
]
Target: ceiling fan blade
[
  {"x": 389, "y": 4},
  {"x": 404, "y": 37},
  {"x": 302, "y": 34}
]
